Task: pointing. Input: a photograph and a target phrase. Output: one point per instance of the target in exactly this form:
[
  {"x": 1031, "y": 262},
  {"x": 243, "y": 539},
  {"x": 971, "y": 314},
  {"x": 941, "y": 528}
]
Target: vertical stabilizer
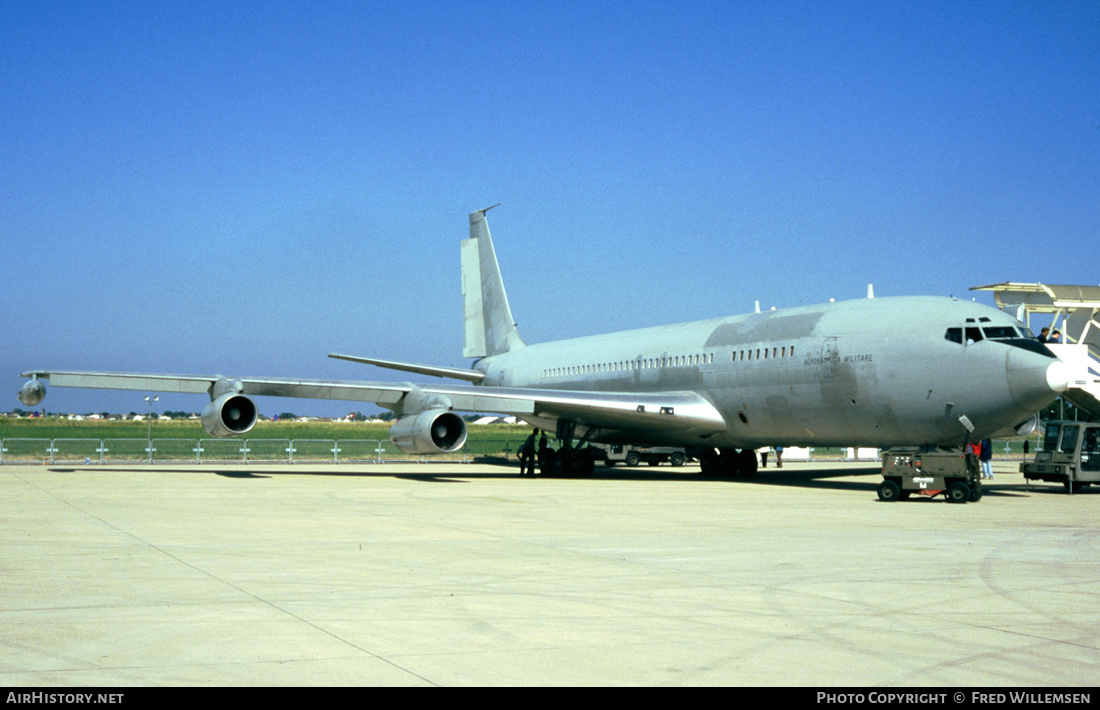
[{"x": 490, "y": 329}]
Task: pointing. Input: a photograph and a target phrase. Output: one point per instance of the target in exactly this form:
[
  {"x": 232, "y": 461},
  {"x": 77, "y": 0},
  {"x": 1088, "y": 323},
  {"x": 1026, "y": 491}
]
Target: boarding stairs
[
  {"x": 1076, "y": 313},
  {"x": 1084, "y": 380}
]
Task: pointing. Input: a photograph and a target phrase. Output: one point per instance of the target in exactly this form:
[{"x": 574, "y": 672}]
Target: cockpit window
[
  {"x": 955, "y": 335},
  {"x": 1007, "y": 335},
  {"x": 1000, "y": 332}
]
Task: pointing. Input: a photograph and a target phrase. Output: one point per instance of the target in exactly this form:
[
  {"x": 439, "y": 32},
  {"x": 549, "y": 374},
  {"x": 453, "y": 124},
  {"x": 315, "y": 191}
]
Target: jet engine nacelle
[
  {"x": 436, "y": 431},
  {"x": 32, "y": 393},
  {"x": 229, "y": 415},
  {"x": 1028, "y": 427},
  {"x": 1022, "y": 429}
]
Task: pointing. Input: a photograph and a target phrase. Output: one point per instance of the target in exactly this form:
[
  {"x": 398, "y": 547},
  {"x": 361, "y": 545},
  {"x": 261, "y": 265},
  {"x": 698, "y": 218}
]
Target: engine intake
[
  {"x": 32, "y": 393},
  {"x": 229, "y": 415},
  {"x": 1028, "y": 427},
  {"x": 436, "y": 431}
]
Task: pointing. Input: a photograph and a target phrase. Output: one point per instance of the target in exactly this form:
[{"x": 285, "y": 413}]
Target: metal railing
[
  {"x": 337, "y": 451},
  {"x": 226, "y": 451}
]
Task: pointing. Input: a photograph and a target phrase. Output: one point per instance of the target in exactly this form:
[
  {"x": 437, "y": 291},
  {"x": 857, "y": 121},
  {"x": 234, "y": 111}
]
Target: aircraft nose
[
  {"x": 1035, "y": 379},
  {"x": 1058, "y": 376}
]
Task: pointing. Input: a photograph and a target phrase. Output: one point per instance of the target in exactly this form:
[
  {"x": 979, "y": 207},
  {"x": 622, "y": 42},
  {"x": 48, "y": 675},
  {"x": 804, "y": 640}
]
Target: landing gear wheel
[
  {"x": 562, "y": 463},
  {"x": 588, "y": 464},
  {"x": 709, "y": 463},
  {"x": 958, "y": 493},
  {"x": 746, "y": 463},
  {"x": 728, "y": 464},
  {"x": 889, "y": 491}
]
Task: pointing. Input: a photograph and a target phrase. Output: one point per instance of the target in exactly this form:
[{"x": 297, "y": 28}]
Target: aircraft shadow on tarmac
[
  {"x": 246, "y": 473},
  {"x": 457, "y": 473},
  {"x": 841, "y": 479}
]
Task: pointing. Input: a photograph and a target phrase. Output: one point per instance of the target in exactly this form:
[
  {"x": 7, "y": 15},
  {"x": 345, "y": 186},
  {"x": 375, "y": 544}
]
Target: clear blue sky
[{"x": 242, "y": 188}]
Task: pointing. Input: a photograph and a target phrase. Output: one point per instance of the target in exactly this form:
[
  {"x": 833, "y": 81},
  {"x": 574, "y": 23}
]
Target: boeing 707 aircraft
[{"x": 880, "y": 372}]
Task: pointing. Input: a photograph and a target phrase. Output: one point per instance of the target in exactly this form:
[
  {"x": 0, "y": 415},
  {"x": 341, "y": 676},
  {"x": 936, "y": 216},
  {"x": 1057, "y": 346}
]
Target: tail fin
[{"x": 490, "y": 329}]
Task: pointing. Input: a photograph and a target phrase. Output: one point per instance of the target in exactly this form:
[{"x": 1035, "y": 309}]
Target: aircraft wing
[
  {"x": 383, "y": 393},
  {"x": 653, "y": 413}
]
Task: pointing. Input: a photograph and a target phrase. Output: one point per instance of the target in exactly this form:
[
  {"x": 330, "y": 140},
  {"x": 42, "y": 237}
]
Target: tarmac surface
[{"x": 466, "y": 574}]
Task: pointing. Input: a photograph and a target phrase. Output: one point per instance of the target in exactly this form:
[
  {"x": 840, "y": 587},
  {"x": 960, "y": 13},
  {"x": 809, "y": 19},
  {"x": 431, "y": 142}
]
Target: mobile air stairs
[{"x": 1076, "y": 313}]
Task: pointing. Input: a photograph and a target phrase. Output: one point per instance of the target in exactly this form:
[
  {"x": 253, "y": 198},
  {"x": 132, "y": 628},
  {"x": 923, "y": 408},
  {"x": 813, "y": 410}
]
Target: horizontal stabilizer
[{"x": 452, "y": 372}]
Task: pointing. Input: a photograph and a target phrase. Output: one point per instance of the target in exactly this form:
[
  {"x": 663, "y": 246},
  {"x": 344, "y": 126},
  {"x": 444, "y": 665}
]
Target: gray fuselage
[{"x": 872, "y": 372}]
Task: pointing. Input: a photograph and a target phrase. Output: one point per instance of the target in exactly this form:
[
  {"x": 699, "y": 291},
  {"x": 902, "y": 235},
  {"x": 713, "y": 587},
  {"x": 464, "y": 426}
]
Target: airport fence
[
  {"x": 171, "y": 450},
  {"x": 89, "y": 451}
]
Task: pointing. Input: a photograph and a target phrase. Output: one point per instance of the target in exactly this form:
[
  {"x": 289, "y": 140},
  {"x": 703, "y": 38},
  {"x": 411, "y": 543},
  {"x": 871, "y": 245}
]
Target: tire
[
  {"x": 632, "y": 459},
  {"x": 584, "y": 465},
  {"x": 888, "y": 491},
  {"x": 676, "y": 459},
  {"x": 709, "y": 463},
  {"x": 746, "y": 463},
  {"x": 958, "y": 493}
]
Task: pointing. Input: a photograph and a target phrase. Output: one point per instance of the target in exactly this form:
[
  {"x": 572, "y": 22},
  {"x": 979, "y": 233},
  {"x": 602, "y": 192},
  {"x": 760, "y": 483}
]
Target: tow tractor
[
  {"x": 634, "y": 455},
  {"x": 1070, "y": 456},
  {"x": 955, "y": 474}
]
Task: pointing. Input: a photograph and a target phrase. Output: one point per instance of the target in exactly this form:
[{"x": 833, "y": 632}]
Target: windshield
[
  {"x": 1069, "y": 439},
  {"x": 1001, "y": 332},
  {"x": 1019, "y": 337},
  {"x": 1050, "y": 439},
  {"x": 1090, "y": 449}
]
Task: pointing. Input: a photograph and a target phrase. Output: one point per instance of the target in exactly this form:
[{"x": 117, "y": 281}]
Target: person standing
[
  {"x": 527, "y": 455},
  {"x": 986, "y": 457},
  {"x": 544, "y": 455}
]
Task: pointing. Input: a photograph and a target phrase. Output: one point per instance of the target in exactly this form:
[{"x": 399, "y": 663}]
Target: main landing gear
[
  {"x": 728, "y": 463},
  {"x": 569, "y": 461}
]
